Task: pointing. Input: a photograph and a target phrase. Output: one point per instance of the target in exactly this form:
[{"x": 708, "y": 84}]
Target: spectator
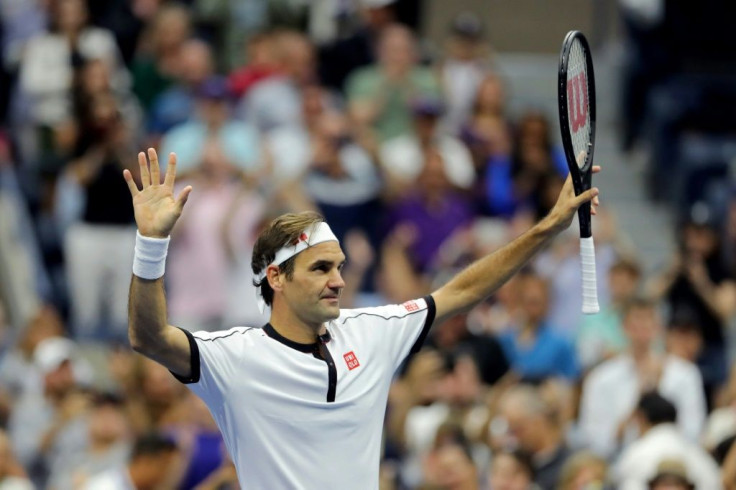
[
  {"x": 156, "y": 64},
  {"x": 47, "y": 428},
  {"x": 200, "y": 263},
  {"x": 451, "y": 466},
  {"x": 699, "y": 286},
  {"x": 516, "y": 182},
  {"x": 467, "y": 62},
  {"x": 99, "y": 245},
  {"x": 276, "y": 101},
  {"x": 427, "y": 215},
  {"x": 582, "y": 471},
  {"x": 402, "y": 156},
  {"x": 512, "y": 470},
  {"x": 487, "y": 131},
  {"x": 611, "y": 390},
  {"x": 339, "y": 59},
  {"x": 534, "y": 350},
  {"x": 177, "y": 103},
  {"x": 262, "y": 63},
  {"x": 47, "y": 70},
  {"x": 12, "y": 474},
  {"x": 108, "y": 445},
  {"x": 671, "y": 475},
  {"x": 600, "y": 336},
  {"x": 379, "y": 95},
  {"x": 534, "y": 427},
  {"x": 238, "y": 140},
  {"x": 150, "y": 464},
  {"x": 662, "y": 440}
]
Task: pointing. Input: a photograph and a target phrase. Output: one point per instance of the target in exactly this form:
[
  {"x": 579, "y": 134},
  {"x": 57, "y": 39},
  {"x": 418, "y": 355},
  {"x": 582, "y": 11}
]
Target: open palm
[{"x": 156, "y": 210}]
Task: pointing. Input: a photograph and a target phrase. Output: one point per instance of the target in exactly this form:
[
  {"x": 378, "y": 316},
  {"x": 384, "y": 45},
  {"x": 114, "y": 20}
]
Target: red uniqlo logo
[
  {"x": 351, "y": 360},
  {"x": 411, "y": 306}
]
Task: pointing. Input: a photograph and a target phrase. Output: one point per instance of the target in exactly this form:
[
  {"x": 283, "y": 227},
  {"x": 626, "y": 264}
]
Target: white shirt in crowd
[
  {"x": 402, "y": 156},
  {"x": 292, "y": 420},
  {"x": 115, "y": 479},
  {"x": 638, "y": 463},
  {"x": 611, "y": 392}
]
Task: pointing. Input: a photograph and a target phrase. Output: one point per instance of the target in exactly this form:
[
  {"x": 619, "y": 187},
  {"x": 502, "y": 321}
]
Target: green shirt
[{"x": 369, "y": 83}]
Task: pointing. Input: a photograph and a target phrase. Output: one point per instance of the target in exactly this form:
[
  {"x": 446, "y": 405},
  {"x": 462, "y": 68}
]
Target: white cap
[{"x": 52, "y": 352}]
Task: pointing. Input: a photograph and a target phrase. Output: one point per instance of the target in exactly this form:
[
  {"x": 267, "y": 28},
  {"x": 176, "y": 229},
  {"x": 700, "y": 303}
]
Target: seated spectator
[
  {"x": 379, "y": 96},
  {"x": 600, "y": 336},
  {"x": 49, "y": 427},
  {"x": 532, "y": 347},
  {"x": 535, "y": 428},
  {"x": 611, "y": 390},
  {"x": 450, "y": 465},
  {"x": 402, "y": 156},
  {"x": 107, "y": 448},
  {"x": 662, "y": 440},
  {"x": 238, "y": 140},
  {"x": 512, "y": 470},
  {"x": 150, "y": 465}
]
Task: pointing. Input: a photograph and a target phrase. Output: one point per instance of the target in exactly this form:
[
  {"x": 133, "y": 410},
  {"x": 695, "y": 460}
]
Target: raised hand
[
  {"x": 568, "y": 203},
  {"x": 156, "y": 210}
]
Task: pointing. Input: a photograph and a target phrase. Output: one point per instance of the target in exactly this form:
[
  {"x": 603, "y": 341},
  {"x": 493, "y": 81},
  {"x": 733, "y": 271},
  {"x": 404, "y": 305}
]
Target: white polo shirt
[{"x": 292, "y": 420}]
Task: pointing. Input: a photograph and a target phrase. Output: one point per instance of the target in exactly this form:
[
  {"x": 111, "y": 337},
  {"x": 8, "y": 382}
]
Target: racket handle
[{"x": 590, "y": 290}]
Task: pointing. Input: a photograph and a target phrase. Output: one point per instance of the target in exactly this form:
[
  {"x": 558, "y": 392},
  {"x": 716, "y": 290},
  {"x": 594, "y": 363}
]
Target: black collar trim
[{"x": 271, "y": 332}]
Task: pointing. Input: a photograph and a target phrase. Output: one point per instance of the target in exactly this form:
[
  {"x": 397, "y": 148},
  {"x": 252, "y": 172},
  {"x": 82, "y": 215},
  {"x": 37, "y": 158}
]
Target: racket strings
[{"x": 578, "y": 101}]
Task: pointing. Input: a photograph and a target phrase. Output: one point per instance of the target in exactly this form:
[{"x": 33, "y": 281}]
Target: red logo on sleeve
[
  {"x": 351, "y": 360},
  {"x": 411, "y": 306}
]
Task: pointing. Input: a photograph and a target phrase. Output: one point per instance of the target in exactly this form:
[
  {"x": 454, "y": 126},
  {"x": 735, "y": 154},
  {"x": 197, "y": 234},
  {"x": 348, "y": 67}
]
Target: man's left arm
[{"x": 480, "y": 279}]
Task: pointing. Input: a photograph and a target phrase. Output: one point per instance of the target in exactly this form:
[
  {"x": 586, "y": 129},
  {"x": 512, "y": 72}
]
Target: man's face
[
  {"x": 313, "y": 292},
  {"x": 641, "y": 326}
]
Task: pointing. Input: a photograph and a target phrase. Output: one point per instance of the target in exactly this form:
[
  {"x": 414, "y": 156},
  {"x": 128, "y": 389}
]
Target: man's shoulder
[
  {"x": 232, "y": 333},
  {"x": 386, "y": 312}
]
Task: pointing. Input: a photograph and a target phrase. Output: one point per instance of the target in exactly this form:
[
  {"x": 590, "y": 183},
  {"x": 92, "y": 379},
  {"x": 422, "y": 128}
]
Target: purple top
[{"x": 433, "y": 225}]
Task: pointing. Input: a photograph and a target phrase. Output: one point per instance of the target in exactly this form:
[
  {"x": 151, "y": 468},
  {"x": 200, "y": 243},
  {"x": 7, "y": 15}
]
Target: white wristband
[{"x": 149, "y": 261}]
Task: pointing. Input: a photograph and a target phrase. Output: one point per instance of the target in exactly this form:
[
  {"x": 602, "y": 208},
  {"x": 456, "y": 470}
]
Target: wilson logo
[
  {"x": 351, "y": 360},
  {"x": 577, "y": 101}
]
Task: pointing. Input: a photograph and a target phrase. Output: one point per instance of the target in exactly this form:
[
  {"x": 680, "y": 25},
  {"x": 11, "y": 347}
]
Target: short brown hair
[
  {"x": 282, "y": 230},
  {"x": 639, "y": 303}
]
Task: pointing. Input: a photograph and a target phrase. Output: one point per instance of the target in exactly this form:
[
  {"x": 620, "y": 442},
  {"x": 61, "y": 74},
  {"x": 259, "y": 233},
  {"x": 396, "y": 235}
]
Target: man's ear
[{"x": 275, "y": 278}]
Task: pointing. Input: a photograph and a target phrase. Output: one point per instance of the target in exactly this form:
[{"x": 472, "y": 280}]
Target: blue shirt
[{"x": 549, "y": 355}]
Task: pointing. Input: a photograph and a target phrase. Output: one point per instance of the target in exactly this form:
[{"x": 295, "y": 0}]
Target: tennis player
[{"x": 300, "y": 402}]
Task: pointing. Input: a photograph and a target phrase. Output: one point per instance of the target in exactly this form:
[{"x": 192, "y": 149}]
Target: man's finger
[
  {"x": 131, "y": 183},
  {"x": 155, "y": 171},
  {"x": 596, "y": 169},
  {"x": 170, "y": 176},
  {"x": 143, "y": 164},
  {"x": 586, "y": 196},
  {"x": 183, "y": 196}
]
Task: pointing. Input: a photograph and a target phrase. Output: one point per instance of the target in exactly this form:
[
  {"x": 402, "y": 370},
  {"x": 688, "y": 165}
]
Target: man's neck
[{"x": 293, "y": 328}]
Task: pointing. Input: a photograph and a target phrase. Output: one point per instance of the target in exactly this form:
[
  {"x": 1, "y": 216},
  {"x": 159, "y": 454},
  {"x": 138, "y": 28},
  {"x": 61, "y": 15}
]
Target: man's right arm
[
  {"x": 149, "y": 332},
  {"x": 156, "y": 213}
]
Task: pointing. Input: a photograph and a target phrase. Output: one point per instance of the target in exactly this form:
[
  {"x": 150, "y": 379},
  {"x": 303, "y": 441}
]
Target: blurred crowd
[{"x": 410, "y": 153}]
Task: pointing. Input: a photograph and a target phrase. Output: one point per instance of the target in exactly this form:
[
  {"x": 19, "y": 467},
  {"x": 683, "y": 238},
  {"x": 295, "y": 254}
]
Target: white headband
[{"x": 318, "y": 233}]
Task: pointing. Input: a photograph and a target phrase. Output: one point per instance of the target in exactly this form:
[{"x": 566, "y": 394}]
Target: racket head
[{"x": 577, "y": 107}]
